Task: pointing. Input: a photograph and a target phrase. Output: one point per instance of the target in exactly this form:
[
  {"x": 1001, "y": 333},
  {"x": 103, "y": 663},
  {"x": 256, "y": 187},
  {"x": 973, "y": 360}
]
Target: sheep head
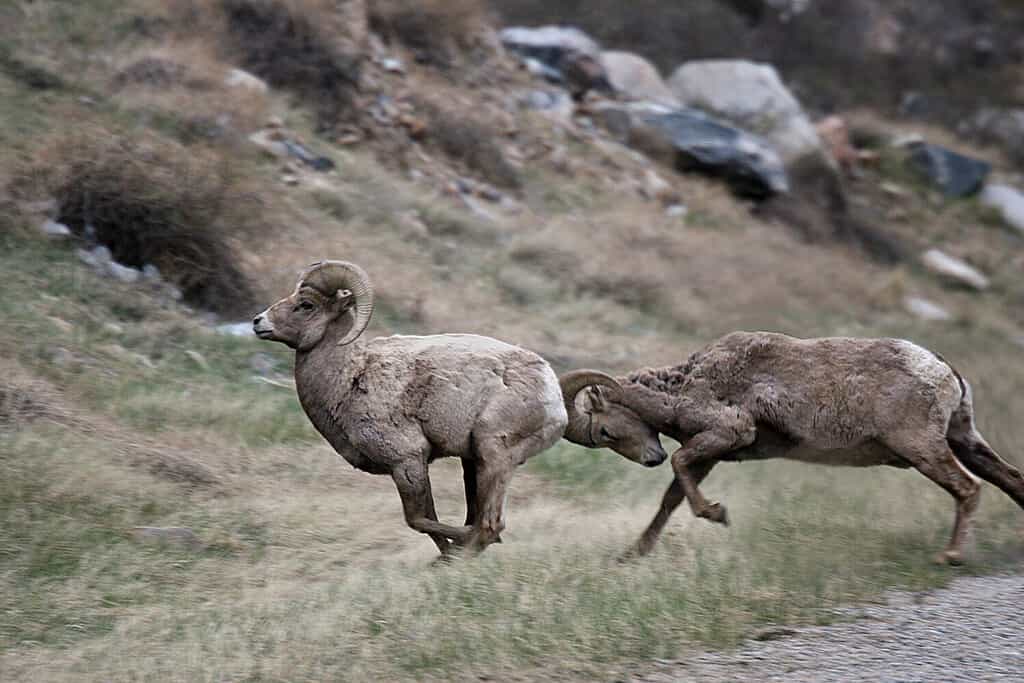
[
  {"x": 599, "y": 419},
  {"x": 326, "y": 290}
]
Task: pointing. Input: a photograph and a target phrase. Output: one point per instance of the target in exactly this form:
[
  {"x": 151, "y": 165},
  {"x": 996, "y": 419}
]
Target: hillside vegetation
[{"x": 123, "y": 407}]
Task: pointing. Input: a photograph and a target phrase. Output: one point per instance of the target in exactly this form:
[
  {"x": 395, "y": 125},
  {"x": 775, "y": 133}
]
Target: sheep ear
[{"x": 343, "y": 298}]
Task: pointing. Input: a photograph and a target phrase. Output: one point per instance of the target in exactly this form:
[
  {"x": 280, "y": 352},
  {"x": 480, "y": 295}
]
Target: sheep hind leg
[
  {"x": 669, "y": 502},
  {"x": 492, "y": 479},
  {"x": 413, "y": 486},
  {"x": 934, "y": 459},
  {"x": 469, "y": 480}
]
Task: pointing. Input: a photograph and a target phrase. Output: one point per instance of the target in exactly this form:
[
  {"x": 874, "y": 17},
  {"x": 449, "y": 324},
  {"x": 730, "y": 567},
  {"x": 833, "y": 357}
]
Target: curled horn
[
  {"x": 327, "y": 277},
  {"x": 578, "y": 430}
]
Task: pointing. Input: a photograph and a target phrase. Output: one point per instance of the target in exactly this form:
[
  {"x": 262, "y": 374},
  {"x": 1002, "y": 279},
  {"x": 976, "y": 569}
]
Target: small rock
[
  {"x": 954, "y": 269},
  {"x": 239, "y": 78},
  {"x": 124, "y": 273},
  {"x": 151, "y": 273},
  {"x": 177, "y": 535},
  {"x": 926, "y": 310},
  {"x": 656, "y": 187},
  {"x": 893, "y": 190},
  {"x": 393, "y": 65},
  {"x": 266, "y": 140},
  {"x": 677, "y": 211},
  {"x": 113, "y": 328},
  {"x": 98, "y": 257},
  {"x": 275, "y": 122},
  {"x": 1008, "y": 201},
  {"x": 52, "y": 228},
  {"x": 290, "y": 179},
  {"x": 197, "y": 358}
]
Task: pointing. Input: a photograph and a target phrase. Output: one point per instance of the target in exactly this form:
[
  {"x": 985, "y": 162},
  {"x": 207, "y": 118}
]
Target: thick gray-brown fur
[
  {"x": 394, "y": 404},
  {"x": 830, "y": 401}
]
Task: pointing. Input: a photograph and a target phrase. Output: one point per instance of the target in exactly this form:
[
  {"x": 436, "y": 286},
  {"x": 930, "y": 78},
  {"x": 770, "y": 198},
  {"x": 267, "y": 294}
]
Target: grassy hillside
[{"x": 121, "y": 409}]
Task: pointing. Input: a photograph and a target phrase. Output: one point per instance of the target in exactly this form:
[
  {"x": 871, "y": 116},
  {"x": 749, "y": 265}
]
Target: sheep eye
[
  {"x": 605, "y": 434},
  {"x": 306, "y": 306}
]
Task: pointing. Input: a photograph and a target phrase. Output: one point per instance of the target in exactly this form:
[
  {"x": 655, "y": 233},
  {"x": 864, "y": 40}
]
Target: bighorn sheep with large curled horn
[
  {"x": 760, "y": 395},
  {"x": 394, "y": 404}
]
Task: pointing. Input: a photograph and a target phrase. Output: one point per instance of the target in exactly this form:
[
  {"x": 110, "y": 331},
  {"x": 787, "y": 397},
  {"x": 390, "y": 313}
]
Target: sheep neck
[
  {"x": 662, "y": 410},
  {"x": 324, "y": 376}
]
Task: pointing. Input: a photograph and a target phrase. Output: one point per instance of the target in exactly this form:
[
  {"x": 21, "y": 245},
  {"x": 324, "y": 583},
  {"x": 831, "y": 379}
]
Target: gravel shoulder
[{"x": 971, "y": 631}]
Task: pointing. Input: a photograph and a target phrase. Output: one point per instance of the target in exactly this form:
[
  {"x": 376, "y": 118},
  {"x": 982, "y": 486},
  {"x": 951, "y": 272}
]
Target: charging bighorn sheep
[
  {"x": 394, "y": 404},
  {"x": 759, "y": 395}
]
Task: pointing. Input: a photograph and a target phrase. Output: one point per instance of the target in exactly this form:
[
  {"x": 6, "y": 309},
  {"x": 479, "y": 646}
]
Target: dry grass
[
  {"x": 308, "y": 571},
  {"x": 289, "y": 44},
  {"x": 438, "y": 31},
  {"x": 470, "y": 141},
  {"x": 181, "y": 88}
]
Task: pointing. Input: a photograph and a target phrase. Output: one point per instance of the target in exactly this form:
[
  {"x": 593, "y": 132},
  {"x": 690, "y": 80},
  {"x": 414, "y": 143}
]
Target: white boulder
[
  {"x": 954, "y": 269},
  {"x": 752, "y": 97},
  {"x": 1008, "y": 201},
  {"x": 636, "y": 78},
  {"x": 239, "y": 78}
]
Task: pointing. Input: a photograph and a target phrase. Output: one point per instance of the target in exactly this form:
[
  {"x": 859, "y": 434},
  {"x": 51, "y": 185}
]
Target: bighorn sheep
[
  {"x": 393, "y": 404},
  {"x": 759, "y": 395}
]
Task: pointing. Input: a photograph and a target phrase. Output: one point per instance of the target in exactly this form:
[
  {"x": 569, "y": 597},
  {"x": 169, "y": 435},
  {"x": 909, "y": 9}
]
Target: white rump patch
[{"x": 924, "y": 364}]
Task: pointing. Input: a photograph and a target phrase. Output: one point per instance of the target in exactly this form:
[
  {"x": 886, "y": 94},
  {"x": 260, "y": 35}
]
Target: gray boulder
[
  {"x": 1008, "y": 201},
  {"x": 955, "y": 175},
  {"x": 752, "y": 97},
  {"x": 635, "y": 78},
  {"x": 690, "y": 140},
  {"x": 547, "y": 49}
]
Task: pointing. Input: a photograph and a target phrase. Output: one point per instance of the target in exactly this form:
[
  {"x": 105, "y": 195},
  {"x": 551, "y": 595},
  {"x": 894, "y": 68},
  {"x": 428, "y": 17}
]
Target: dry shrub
[
  {"x": 437, "y": 30},
  {"x": 152, "y": 201},
  {"x": 471, "y": 142},
  {"x": 182, "y": 90},
  {"x": 288, "y": 43},
  {"x": 151, "y": 71},
  {"x": 27, "y": 73}
]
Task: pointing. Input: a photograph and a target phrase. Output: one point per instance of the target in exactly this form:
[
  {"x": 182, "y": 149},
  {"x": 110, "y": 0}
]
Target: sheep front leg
[
  {"x": 413, "y": 486},
  {"x": 669, "y": 502},
  {"x": 703, "y": 451}
]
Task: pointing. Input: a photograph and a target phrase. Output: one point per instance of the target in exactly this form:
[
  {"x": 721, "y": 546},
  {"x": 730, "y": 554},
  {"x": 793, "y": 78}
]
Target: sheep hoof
[
  {"x": 716, "y": 512},
  {"x": 443, "y": 560},
  {"x": 952, "y": 558},
  {"x": 634, "y": 552}
]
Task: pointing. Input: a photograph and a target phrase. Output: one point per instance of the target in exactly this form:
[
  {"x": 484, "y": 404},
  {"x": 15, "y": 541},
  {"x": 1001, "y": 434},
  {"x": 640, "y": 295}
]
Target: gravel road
[{"x": 971, "y": 631}]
